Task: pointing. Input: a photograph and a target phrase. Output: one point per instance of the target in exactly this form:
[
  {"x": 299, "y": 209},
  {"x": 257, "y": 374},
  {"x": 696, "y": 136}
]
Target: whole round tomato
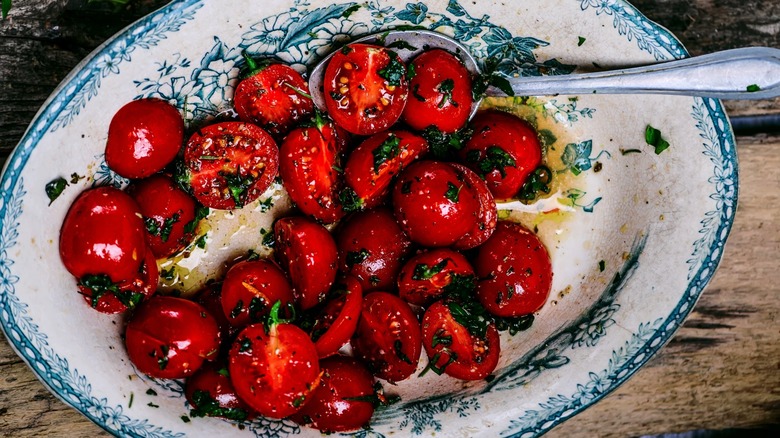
[
  {"x": 441, "y": 94},
  {"x": 103, "y": 235},
  {"x": 250, "y": 290},
  {"x": 365, "y": 88},
  {"x": 307, "y": 250},
  {"x": 275, "y": 371},
  {"x": 210, "y": 393},
  {"x": 372, "y": 248},
  {"x": 424, "y": 278},
  {"x": 504, "y": 150},
  {"x": 108, "y": 297},
  {"x": 451, "y": 348},
  {"x": 515, "y": 272},
  {"x": 211, "y": 299},
  {"x": 339, "y": 403},
  {"x": 337, "y": 321},
  {"x": 170, "y": 337},
  {"x": 388, "y": 337},
  {"x": 434, "y": 204},
  {"x": 230, "y": 164},
  {"x": 144, "y": 136},
  {"x": 488, "y": 211},
  {"x": 373, "y": 164},
  {"x": 168, "y": 212},
  {"x": 273, "y": 96},
  {"x": 310, "y": 159}
]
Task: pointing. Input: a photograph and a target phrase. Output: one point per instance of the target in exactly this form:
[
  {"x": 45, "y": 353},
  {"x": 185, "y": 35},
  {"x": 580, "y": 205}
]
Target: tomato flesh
[{"x": 424, "y": 277}]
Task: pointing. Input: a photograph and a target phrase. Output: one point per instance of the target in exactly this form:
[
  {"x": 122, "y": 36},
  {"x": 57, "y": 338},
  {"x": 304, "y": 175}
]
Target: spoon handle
[{"x": 748, "y": 73}]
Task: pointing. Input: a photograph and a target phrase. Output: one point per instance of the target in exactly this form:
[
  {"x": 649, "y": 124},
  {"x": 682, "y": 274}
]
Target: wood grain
[{"x": 721, "y": 370}]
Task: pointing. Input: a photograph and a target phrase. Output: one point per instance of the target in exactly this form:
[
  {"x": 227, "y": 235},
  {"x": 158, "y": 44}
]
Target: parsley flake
[
  {"x": 445, "y": 88},
  {"x": 453, "y": 192},
  {"x": 395, "y": 71},
  {"x": 388, "y": 150},
  {"x": 55, "y": 188}
]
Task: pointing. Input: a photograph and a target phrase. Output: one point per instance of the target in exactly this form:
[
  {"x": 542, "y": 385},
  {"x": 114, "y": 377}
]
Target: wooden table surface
[{"x": 721, "y": 370}]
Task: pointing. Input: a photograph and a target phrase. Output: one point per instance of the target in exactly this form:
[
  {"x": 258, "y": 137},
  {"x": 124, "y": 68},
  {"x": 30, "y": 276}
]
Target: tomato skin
[
  {"x": 276, "y": 372},
  {"x": 514, "y": 139},
  {"x": 333, "y": 407},
  {"x": 308, "y": 252},
  {"x": 145, "y": 284},
  {"x": 388, "y": 337},
  {"x": 513, "y": 258},
  {"x": 309, "y": 159},
  {"x": 144, "y": 136},
  {"x": 366, "y": 103},
  {"x": 422, "y": 288},
  {"x": 433, "y": 204},
  {"x": 230, "y": 151},
  {"x": 170, "y": 337},
  {"x": 429, "y": 102},
  {"x": 372, "y": 248},
  {"x": 488, "y": 211},
  {"x": 167, "y": 210},
  {"x": 338, "y": 320},
  {"x": 251, "y": 288},
  {"x": 474, "y": 358},
  {"x": 371, "y": 182},
  {"x": 211, "y": 383},
  {"x": 268, "y": 99},
  {"x": 211, "y": 299},
  {"x": 103, "y": 233}
]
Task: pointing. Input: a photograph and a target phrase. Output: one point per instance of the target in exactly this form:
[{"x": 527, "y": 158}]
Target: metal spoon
[{"x": 749, "y": 73}]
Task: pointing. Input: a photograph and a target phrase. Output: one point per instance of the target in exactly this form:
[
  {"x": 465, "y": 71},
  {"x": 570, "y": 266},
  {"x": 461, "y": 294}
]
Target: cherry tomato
[
  {"x": 338, "y": 320},
  {"x": 275, "y": 372},
  {"x": 251, "y": 288},
  {"x": 504, "y": 150},
  {"x": 341, "y": 402},
  {"x": 103, "y": 235},
  {"x": 365, "y": 88},
  {"x": 144, "y": 136},
  {"x": 488, "y": 212},
  {"x": 453, "y": 349},
  {"x": 515, "y": 272},
  {"x": 168, "y": 212},
  {"x": 434, "y": 204},
  {"x": 211, "y": 394},
  {"x": 273, "y": 96},
  {"x": 310, "y": 159},
  {"x": 372, "y": 165},
  {"x": 307, "y": 250},
  {"x": 170, "y": 337},
  {"x": 110, "y": 298},
  {"x": 230, "y": 164},
  {"x": 440, "y": 93},
  {"x": 211, "y": 298},
  {"x": 424, "y": 277},
  {"x": 372, "y": 248},
  {"x": 388, "y": 338}
]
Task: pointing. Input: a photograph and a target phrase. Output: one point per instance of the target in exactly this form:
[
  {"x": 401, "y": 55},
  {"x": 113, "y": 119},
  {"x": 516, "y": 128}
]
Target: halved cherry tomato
[
  {"x": 273, "y": 96},
  {"x": 424, "y": 277},
  {"x": 366, "y": 88},
  {"x": 434, "y": 204},
  {"x": 488, "y": 212},
  {"x": 372, "y": 165},
  {"x": 103, "y": 235},
  {"x": 251, "y": 288},
  {"x": 144, "y": 136},
  {"x": 338, "y": 320},
  {"x": 230, "y": 164},
  {"x": 113, "y": 298},
  {"x": 453, "y": 349},
  {"x": 307, "y": 250},
  {"x": 440, "y": 92},
  {"x": 310, "y": 162},
  {"x": 515, "y": 272},
  {"x": 504, "y": 150},
  {"x": 341, "y": 402},
  {"x": 388, "y": 338},
  {"x": 168, "y": 212},
  {"x": 211, "y": 394},
  {"x": 275, "y": 371},
  {"x": 372, "y": 248},
  {"x": 170, "y": 337}
]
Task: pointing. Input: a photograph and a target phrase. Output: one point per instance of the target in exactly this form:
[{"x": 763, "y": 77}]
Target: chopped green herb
[
  {"x": 200, "y": 213},
  {"x": 436, "y": 369},
  {"x": 537, "y": 182},
  {"x": 653, "y": 138},
  {"x": 411, "y": 72},
  {"x": 162, "y": 361},
  {"x": 201, "y": 242},
  {"x": 266, "y": 205},
  {"x": 630, "y": 151},
  {"x": 99, "y": 285},
  {"x": 165, "y": 231},
  {"x": 256, "y": 309},
  {"x": 269, "y": 240},
  {"x": 208, "y": 158},
  {"x": 602, "y": 265},
  {"x": 75, "y": 178},
  {"x": 353, "y": 258},
  {"x": 346, "y": 50},
  {"x": 495, "y": 159},
  {"x": 406, "y": 187},
  {"x": 336, "y": 96},
  {"x": 416, "y": 93},
  {"x": 388, "y": 150},
  {"x": 350, "y": 10},
  {"x": 185, "y": 418},
  {"x": 350, "y": 201},
  {"x": 55, "y": 188},
  {"x": 440, "y": 338},
  {"x": 251, "y": 255},
  {"x": 238, "y": 186},
  {"x": 337, "y": 168},
  {"x": 753, "y": 88},
  {"x": 299, "y": 401},
  {"x": 395, "y": 71},
  {"x": 237, "y": 309},
  {"x": 151, "y": 391},
  {"x": 445, "y": 146},
  {"x": 223, "y": 372},
  {"x": 244, "y": 344},
  {"x": 514, "y": 325},
  {"x": 168, "y": 274},
  {"x": 399, "y": 352},
  {"x": 580, "y": 41},
  {"x": 130, "y": 402},
  {"x": 424, "y": 272},
  {"x": 5, "y": 6},
  {"x": 374, "y": 280},
  {"x": 152, "y": 405},
  {"x": 453, "y": 192},
  {"x": 206, "y": 406},
  {"x": 546, "y": 137},
  {"x": 152, "y": 226},
  {"x": 298, "y": 90},
  {"x": 445, "y": 88},
  {"x": 402, "y": 45}
]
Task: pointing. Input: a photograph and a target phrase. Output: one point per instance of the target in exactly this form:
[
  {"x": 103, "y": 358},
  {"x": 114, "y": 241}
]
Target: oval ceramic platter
[{"x": 634, "y": 235}]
